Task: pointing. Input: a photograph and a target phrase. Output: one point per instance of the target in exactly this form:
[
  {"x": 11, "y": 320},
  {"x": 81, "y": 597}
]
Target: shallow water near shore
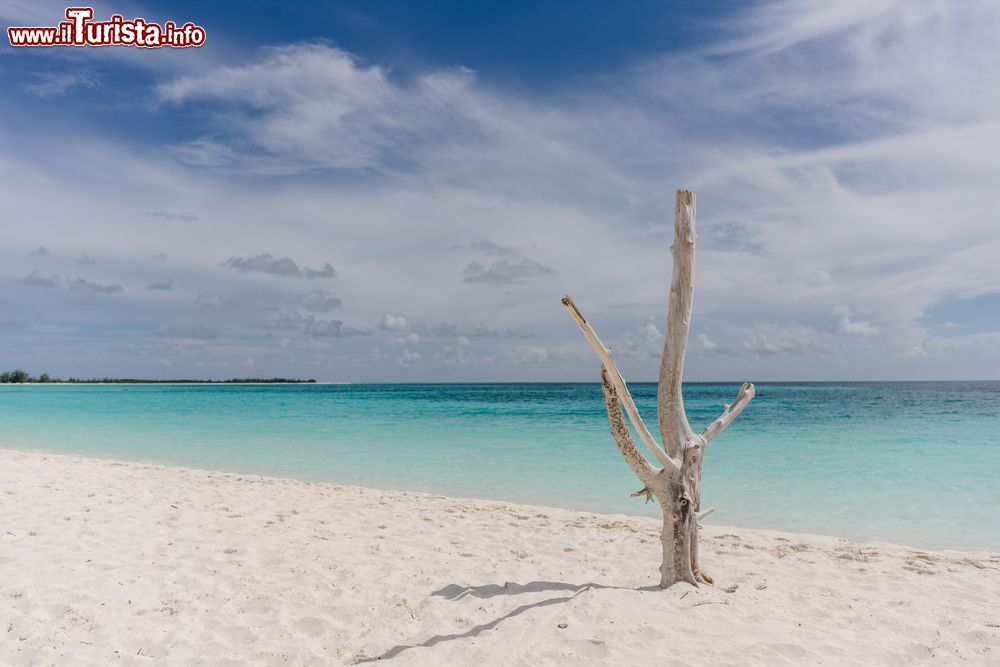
[{"x": 914, "y": 462}]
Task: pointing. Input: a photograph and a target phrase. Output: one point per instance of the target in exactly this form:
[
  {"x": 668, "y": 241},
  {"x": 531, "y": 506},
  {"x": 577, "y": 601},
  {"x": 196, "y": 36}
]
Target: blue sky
[{"x": 395, "y": 191}]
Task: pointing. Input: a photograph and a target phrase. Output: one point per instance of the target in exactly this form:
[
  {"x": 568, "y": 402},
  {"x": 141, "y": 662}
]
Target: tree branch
[
  {"x": 639, "y": 464},
  {"x": 703, "y": 514},
  {"x": 744, "y": 396},
  {"x": 622, "y": 389},
  {"x": 674, "y": 427}
]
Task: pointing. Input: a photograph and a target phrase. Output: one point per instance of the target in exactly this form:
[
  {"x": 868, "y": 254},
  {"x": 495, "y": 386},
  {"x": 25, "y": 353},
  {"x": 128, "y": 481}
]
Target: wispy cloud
[
  {"x": 489, "y": 248},
  {"x": 210, "y": 299},
  {"x": 194, "y": 332},
  {"x": 35, "y": 279},
  {"x": 89, "y": 288},
  {"x": 54, "y": 84},
  {"x": 321, "y": 301},
  {"x": 264, "y": 264},
  {"x": 504, "y": 272},
  {"x": 364, "y": 118},
  {"x": 284, "y": 267},
  {"x": 162, "y": 285},
  {"x": 163, "y": 214}
]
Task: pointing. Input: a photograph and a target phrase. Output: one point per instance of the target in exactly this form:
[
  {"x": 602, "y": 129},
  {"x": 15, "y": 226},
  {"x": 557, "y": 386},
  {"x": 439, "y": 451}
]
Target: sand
[{"x": 109, "y": 563}]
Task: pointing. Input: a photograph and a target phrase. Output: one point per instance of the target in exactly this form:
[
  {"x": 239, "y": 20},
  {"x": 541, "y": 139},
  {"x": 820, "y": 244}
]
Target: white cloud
[
  {"x": 393, "y": 322},
  {"x": 846, "y": 325},
  {"x": 408, "y": 339},
  {"x": 409, "y": 357},
  {"x": 643, "y": 343},
  {"x": 535, "y": 355},
  {"x": 314, "y": 106}
]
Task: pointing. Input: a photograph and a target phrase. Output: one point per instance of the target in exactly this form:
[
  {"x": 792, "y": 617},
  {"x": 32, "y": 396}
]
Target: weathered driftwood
[{"x": 677, "y": 484}]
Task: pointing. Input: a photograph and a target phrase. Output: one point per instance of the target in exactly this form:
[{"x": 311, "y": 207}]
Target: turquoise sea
[{"x": 915, "y": 462}]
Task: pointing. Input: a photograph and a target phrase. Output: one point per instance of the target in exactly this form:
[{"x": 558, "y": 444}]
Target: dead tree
[{"x": 676, "y": 485}]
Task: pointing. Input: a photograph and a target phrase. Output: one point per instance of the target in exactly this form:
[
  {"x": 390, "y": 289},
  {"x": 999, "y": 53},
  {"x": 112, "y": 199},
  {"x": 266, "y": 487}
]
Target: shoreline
[
  {"x": 256, "y": 477},
  {"x": 106, "y": 560},
  {"x": 474, "y": 499}
]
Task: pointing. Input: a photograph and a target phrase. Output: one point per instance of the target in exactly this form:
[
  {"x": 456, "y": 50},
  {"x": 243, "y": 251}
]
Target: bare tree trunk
[
  {"x": 674, "y": 427},
  {"x": 677, "y": 485}
]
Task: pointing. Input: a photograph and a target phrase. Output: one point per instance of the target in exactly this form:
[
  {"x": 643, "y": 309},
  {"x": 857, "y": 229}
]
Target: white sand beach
[{"x": 123, "y": 563}]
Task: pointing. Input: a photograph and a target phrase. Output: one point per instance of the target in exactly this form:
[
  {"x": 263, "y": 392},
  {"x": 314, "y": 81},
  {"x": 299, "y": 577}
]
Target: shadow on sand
[{"x": 457, "y": 592}]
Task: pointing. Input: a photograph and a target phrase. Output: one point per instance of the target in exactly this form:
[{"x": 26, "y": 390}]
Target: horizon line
[{"x": 231, "y": 381}]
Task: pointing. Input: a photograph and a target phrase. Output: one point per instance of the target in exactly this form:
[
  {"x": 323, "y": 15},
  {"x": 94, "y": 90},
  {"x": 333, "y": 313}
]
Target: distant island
[{"x": 23, "y": 377}]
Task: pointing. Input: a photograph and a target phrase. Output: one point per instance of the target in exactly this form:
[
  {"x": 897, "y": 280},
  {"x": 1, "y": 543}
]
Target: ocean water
[{"x": 916, "y": 463}]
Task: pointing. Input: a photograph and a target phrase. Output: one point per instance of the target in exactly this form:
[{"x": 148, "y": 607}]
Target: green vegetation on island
[{"x": 23, "y": 377}]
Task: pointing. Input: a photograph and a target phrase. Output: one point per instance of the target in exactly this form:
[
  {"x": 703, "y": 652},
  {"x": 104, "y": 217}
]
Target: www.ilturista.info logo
[{"x": 81, "y": 30}]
